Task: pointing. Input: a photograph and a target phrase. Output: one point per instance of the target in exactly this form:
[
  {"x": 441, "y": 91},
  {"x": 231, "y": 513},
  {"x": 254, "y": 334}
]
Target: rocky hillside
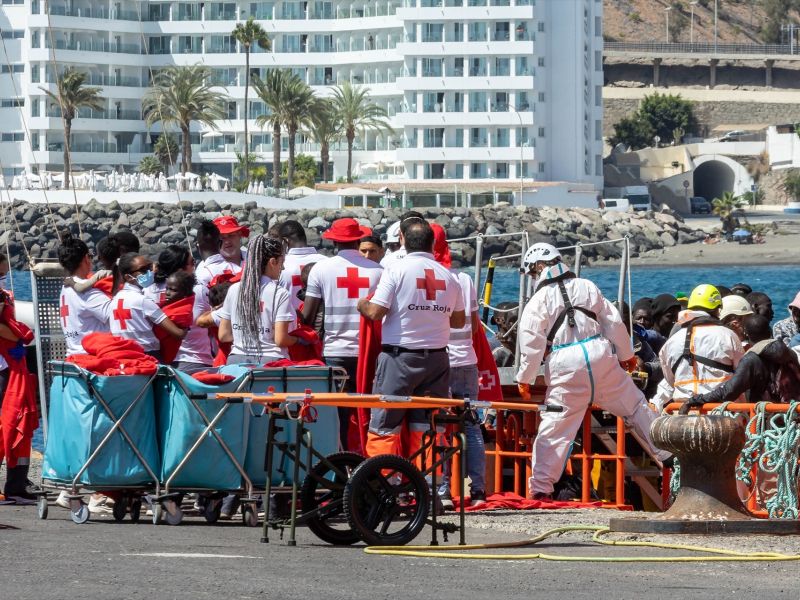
[
  {"x": 740, "y": 21},
  {"x": 158, "y": 225}
]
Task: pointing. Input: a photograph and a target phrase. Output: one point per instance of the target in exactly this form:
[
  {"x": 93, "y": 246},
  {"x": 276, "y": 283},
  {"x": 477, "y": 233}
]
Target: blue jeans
[{"x": 464, "y": 384}]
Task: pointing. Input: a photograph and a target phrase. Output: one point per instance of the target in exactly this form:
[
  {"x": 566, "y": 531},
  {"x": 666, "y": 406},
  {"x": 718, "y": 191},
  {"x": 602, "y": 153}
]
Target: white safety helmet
[
  {"x": 393, "y": 233},
  {"x": 539, "y": 253}
]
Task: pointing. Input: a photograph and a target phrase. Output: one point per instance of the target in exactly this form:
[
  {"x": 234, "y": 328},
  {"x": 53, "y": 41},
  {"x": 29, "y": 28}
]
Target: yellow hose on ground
[{"x": 434, "y": 552}]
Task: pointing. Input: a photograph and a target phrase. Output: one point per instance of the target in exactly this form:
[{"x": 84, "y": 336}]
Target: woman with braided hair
[{"x": 257, "y": 313}]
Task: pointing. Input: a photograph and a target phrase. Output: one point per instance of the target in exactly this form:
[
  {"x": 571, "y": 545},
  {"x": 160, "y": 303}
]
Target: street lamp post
[
  {"x": 521, "y": 155},
  {"x": 691, "y": 35},
  {"x": 669, "y": 8}
]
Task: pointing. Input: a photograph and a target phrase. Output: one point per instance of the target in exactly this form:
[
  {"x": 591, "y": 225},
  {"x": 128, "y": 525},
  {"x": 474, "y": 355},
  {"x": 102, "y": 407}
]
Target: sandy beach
[{"x": 777, "y": 250}]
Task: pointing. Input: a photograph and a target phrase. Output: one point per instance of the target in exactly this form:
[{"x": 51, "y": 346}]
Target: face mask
[
  {"x": 3, "y": 282},
  {"x": 145, "y": 279}
]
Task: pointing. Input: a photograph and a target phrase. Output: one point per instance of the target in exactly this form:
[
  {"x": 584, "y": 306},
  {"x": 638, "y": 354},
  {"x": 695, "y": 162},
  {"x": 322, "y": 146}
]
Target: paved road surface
[
  {"x": 758, "y": 215},
  {"x": 108, "y": 560}
]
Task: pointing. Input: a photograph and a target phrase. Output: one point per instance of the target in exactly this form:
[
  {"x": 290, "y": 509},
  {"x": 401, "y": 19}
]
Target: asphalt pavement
[{"x": 104, "y": 559}]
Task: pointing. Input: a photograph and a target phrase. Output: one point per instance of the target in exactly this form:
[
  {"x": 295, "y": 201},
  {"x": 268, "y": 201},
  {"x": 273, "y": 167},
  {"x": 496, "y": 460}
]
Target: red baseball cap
[
  {"x": 441, "y": 251},
  {"x": 229, "y": 225},
  {"x": 346, "y": 230}
]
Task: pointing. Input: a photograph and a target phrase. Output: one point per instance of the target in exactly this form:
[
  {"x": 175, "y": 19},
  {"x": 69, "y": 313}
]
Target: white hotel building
[{"x": 472, "y": 87}]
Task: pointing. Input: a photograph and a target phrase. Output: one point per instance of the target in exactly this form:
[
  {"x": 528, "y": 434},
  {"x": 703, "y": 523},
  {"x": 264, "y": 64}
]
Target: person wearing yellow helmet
[{"x": 702, "y": 354}]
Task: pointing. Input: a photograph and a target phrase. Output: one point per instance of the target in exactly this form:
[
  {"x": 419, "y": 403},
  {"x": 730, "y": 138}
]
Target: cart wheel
[
  {"x": 249, "y": 515},
  {"x": 373, "y": 506},
  {"x": 173, "y": 514},
  {"x": 323, "y": 486},
  {"x": 212, "y": 511},
  {"x": 158, "y": 513},
  {"x": 136, "y": 509},
  {"x": 120, "y": 508},
  {"x": 43, "y": 507},
  {"x": 81, "y": 515}
]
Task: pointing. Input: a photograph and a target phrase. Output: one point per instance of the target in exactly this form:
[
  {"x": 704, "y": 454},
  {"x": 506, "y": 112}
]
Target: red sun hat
[
  {"x": 229, "y": 225},
  {"x": 346, "y": 230},
  {"x": 441, "y": 251}
]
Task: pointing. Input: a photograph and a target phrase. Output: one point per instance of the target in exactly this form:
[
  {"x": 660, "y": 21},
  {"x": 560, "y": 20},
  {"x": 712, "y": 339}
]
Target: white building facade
[{"x": 473, "y": 88}]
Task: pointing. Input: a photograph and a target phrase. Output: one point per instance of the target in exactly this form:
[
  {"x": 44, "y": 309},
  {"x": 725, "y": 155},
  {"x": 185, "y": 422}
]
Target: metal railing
[{"x": 700, "y": 48}]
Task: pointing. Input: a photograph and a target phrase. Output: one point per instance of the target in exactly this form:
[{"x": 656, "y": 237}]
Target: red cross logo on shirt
[
  {"x": 296, "y": 281},
  {"x": 430, "y": 284},
  {"x": 352, "y": 282},
  {"x": 64, "y": 312},
  {"x": 121, "y": 314}
]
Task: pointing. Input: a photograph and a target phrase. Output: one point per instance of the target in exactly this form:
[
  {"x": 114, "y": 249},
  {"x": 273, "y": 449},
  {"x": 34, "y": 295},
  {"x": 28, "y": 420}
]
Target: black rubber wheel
[
  {"x": 43, "y": 507},
  {"x": 322, "y": 486},
  {"x": 386, "y": 501},
  {"x": 120, "y": 508},
  {"x": 212, "y": 510},
  {"x": 136, "y": 510}
]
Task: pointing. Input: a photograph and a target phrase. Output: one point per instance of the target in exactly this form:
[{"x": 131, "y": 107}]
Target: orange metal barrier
[{"x": 750, "y": 409}]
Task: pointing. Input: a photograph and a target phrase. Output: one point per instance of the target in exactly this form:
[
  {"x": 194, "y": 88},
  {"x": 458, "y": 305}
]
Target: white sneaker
[
  {"x": 62, "y": 500},
  {"x": 99, "y": 506}
]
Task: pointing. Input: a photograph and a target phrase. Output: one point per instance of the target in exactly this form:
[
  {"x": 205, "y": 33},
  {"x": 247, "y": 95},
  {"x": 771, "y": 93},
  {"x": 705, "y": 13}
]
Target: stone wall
[{"x": 158, "y": 225}]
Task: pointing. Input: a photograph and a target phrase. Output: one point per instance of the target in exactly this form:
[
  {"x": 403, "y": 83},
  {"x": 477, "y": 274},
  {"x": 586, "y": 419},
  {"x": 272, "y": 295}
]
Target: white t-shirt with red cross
[
  {"x": 421, "y": 296},
  {"x": 156, "y": 292},
  {"x": 82, "y": 314},
  {"x": 209, "y": 268},
  {"x": 196, "y": 346},
  {"x": 132, "y": 316},
  {"x": 344, "y": 279},
  {"x": 275, "y": 308},
  {"x": 296, "y": 259},
  {"x": 392, "y": 258},
  {"x": 459, "y": 348}
]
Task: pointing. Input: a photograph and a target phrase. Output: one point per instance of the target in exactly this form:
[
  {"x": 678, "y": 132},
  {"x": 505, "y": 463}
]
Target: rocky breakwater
[{"x": 158, "y": 225}]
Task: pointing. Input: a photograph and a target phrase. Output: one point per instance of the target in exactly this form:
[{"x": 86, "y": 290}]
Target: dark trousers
[{"x": 349, "y": 364}]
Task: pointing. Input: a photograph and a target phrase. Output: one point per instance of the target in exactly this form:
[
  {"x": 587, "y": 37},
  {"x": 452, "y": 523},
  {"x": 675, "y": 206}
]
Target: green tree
[
  {"x": 326, "y": 128},
  {"x": 776, "y": 13},
  {"x": 791, "y": 184},
  {"x": 677, "y": 21},
  {"x": 180, "y": 95},
  {"x": 726, "y": 208},
  {"x": 73, "y": 95},
  {"x": 305, "y": 170},
  {"x": 166, "y": 151},
  {"x": 247, "y": 34},
  {"x": 149, "y": 165},
  {"x": 243, "y": 164},
  {"x": 358, "y": 114},
  {"x": 633, "y": 132},
  {"x": 272, "y": 91},
  {"x": 298, "y": 108}
]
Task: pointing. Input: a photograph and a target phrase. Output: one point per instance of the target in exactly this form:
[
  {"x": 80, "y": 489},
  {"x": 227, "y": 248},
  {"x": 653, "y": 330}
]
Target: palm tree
[
  {"x": 358, "y": 113},
  {"x": 247, "y": 34},
  {"x": 272, "y": 92},
  {"x": 149, "y": 165},
  {"x": 325, "y": 129},
  {"x": 166, "y": 151},
  {"x": 73, "y": 95},
  {"x": 243, "y": 162},
  {"x": 298, "y": 108},
  {"x": 180, "y": 95},
  {"x": 726, "y": 207}
]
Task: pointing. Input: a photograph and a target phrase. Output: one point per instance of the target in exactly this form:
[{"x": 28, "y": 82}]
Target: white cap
[
  {"x": 734, "y": 305},
  {"x": 540, "y": 252},
  {"x": 393, "y": 233}
]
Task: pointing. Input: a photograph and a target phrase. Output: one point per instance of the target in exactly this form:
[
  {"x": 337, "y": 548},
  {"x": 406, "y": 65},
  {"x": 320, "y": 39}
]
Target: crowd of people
[{"x": 278, "y": 299}]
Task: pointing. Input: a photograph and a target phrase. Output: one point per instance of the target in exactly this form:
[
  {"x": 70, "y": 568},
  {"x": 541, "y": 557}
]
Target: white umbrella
[
  {"x": 105, "y": 168},
  {"x": 177, "y": 176},
  {"x": 301, "y": 191},
  {"x": 212, "y": 134},
  {"x": 23, "y": 182},
  {"x": 357, "y": 170},
  {"x": 188, "y": 175},
  {"x": 92, "y": 181},
  {"x": 354, "y": 191},
  {"x": 163, "y": 183},
  {"x": 144, "y": 181},
  {"x": 2, "y": 181},
  {"x": 260, "y": 188},
  {"x": 15, "y": 182},
  {"x": 214, "y": 182},
  {"x": 250, "y": 188},
  {"x": 369, "y": 166}
]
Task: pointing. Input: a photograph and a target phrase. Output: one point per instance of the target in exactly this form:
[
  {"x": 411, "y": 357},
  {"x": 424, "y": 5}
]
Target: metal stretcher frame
[{"x": 65, "y": 369}]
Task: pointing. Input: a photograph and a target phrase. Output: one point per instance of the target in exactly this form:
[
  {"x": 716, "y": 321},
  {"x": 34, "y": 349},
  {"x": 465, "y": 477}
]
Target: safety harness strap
[
  {"x": 690, "y": 356},
  {"x": 567, "y": 314}
]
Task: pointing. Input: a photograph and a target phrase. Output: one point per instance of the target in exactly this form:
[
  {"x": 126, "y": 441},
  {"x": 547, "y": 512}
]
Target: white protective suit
[
  {"x": 714, "y": 342},
  {"x": 582, "y": 368}
]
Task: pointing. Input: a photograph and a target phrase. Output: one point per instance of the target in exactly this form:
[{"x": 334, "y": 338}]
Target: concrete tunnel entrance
[{"x": 712, "y": 178}]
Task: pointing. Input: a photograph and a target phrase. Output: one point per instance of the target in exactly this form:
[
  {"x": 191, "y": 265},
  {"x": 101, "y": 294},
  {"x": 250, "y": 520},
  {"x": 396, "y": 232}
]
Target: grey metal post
[
  {"x": 478, "y": 263},
  {"x": 623, "y": 268},
  {"x": 578, "y": 256},
  {"x": 522, "y": 288}
]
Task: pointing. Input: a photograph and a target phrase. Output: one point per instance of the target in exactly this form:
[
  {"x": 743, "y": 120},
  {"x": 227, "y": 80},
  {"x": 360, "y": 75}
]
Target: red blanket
[
  {"x": 489, "y": 389},
  {"x": 221, "y": 359},
  {"x": 181, "y": 314},
  {"x": 295, "y": 363},
  {"x": 110, "y": 355},
  {"x": 105, "y": 285},
  {"x": 212, "y": 378},
  {"x": 304, "y": 352},
  {"x": 509, "y": 500},
  {"x": 19, "y": 418},
  {"x": 369, "y": 347}
]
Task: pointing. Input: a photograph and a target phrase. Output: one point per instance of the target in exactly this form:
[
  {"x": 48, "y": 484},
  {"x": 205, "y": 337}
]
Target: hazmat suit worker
[
  {"x": 702, "y": 355},
  {"x": 582, "y": 339}
]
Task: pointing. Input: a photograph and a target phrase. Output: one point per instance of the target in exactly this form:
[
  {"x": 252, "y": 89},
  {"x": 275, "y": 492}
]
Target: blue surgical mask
[
  {"x": 3, "y": 282},
  {"x": 145, "y": 279}
]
